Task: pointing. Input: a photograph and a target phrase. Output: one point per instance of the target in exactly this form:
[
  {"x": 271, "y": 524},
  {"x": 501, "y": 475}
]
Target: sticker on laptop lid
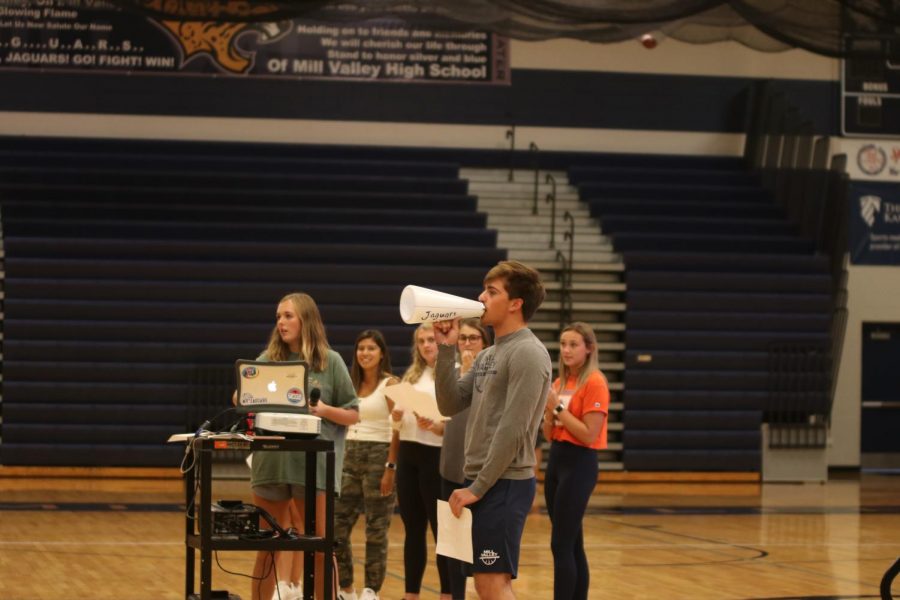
[
  {"x": 295, "y": 396},
  {"x": 247, "y": 398}
]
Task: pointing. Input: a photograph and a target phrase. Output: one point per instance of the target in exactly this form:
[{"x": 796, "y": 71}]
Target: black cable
[
  {"x": 208, "y": 422},
  {"x": 188, "y": 451},
  {"x": 272, "y": 570},
  {"x": 259, "y": 579},
  {"x": 224, "y": 570},
  {"x": 187, "y": 509},
  {"x": 273, "y": 522}
]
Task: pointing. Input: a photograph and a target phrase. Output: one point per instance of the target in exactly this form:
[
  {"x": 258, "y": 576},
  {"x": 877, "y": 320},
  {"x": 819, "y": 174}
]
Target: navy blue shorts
[{"x": 498, "y": 520}]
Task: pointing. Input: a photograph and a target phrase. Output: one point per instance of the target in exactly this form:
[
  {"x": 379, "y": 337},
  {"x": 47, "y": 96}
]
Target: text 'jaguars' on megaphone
[{"x": 421, "y": 305}]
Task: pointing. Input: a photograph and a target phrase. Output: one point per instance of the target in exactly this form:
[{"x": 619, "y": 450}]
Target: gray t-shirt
[
  {"x": 506, "y": 389},
  {"x": 453, "y": 450}
]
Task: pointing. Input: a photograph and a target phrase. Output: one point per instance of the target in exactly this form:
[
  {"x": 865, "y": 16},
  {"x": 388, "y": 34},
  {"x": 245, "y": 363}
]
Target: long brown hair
[
  {"x": 356, "y": 372},
  {"x": 591, "y": 364},
  {"x": 313, "y": 343},
  {"x": 418, "y": 366}
]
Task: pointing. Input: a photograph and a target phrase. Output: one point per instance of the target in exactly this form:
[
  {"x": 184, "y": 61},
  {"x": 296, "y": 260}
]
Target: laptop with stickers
[{"x": 272, "y": 386}]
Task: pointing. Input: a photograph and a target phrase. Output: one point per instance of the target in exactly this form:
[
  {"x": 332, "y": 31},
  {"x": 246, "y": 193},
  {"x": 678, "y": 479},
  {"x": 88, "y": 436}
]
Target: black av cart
[{"x": 198, "y": 513}]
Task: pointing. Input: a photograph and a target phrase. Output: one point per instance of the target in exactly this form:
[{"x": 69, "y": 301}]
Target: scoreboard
[
  {"x": 870, "y": 97},
  {"x": 870, "y": 73}
]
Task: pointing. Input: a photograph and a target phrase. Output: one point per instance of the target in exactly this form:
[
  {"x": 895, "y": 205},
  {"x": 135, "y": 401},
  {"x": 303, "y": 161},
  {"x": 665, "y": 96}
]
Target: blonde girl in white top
[{"x": 418, "y": 474}]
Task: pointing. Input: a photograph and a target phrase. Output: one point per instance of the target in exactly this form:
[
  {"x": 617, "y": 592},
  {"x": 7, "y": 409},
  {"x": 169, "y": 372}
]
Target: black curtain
[{"x": 820, "y": 26}]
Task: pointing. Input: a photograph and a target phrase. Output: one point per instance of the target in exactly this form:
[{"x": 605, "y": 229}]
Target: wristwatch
[
  {"x": 390, "y": 465},
  {"x": 559, "y": 408}
]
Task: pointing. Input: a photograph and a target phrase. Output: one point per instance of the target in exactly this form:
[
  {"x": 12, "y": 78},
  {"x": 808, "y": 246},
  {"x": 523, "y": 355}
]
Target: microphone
[{"x": 314, "y": 395}]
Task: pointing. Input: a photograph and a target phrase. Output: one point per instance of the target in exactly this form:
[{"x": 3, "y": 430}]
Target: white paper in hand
[
  {"x": 454, "y": 534},
  {"x": 406, "y": 397}
]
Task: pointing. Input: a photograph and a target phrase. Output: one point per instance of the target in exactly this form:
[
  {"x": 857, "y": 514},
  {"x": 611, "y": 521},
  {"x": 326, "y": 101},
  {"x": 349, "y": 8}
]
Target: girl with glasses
[{"x": 473, "y": 338}]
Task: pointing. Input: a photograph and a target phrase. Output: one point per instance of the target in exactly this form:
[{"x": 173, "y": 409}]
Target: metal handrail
[
  {"x": 551, "y": 198},
  {"x": 535, "y": 164},
  {"x": 839, "y": 317},
  {"x": 565, "y": 291},
  {"x": 798, "y": 395},
  {"x": 570, "y": 235},
  {"x": 511, "y": 136},
  {"x": 565, "y": 267}
]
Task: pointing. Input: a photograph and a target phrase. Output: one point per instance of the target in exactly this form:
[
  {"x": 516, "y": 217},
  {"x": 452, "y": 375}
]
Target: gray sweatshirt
[{"x": 506, "y": 388}]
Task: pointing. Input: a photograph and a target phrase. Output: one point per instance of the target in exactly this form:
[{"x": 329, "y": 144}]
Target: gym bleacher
[
  {"x": 137, "y": 272},
  {"x": 720, "y": 283}
]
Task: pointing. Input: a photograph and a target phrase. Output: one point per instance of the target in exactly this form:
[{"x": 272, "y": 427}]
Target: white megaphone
[{"x": 421, "y": 305}]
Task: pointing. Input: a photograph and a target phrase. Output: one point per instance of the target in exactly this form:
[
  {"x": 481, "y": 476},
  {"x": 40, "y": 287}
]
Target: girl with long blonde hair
[
  {"x": 418, "y": 476},
  {"x": 278, "y": 478},
  {"x": 575, "y": 421}
]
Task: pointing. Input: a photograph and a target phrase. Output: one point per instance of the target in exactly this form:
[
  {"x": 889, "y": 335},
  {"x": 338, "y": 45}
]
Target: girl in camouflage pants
[{"x": 369, "y": 468}]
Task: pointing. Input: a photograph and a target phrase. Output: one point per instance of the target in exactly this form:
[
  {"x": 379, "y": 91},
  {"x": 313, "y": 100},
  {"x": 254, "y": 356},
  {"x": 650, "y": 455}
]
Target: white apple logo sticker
[{"x": 272, "y": 387}]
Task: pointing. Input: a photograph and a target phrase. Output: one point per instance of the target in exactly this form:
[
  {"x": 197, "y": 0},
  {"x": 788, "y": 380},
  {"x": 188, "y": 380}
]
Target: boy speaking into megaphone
[{"x": 506, "y": 389}]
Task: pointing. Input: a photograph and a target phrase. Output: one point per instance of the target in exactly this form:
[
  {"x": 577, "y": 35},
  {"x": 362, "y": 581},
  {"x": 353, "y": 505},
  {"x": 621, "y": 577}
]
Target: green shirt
[{"x": 290, "y": 467}]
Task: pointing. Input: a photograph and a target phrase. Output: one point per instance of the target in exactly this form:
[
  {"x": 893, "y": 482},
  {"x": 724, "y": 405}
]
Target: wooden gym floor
[{"x": 117, "y": 534}]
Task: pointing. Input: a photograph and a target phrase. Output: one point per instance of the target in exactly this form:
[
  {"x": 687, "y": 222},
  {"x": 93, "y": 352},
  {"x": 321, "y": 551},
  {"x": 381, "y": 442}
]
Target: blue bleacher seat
[
  {"x": 718, "y": 277},
  {"x": 136, "y": 273}
]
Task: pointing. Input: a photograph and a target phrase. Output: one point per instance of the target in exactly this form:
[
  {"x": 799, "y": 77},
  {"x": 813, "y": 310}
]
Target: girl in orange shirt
[{"x": 575, "y": 422}]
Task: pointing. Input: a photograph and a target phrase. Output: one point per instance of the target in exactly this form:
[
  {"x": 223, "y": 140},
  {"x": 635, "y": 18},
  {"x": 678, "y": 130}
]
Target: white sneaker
[
  {"x": 342, "y": 595},
  {"x": 368, "y": 594},
  {"x": 288, "y": 591}
]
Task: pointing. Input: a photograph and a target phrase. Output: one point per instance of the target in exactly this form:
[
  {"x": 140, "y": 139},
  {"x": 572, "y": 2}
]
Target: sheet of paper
[
  {"x": 454, "y": 534},
  {"x": 220, "y": 435},
  {"x": 409, "y": 398}
]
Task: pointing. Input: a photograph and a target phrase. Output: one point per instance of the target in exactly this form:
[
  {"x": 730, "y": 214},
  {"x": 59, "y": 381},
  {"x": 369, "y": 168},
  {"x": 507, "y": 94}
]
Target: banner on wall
[
  {"x": 874, "y": 223},
  {"x": 79, "y": 35},
  {"x": 876, "y": 160}
]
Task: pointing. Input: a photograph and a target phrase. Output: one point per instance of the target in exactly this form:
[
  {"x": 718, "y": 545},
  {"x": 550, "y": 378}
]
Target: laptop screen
[{"x": 271, "y": 386}]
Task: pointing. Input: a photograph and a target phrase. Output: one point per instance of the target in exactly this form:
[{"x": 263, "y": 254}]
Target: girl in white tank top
[
  {"x": 369, "y": 468},
  {"x": 374, "y": 417}
]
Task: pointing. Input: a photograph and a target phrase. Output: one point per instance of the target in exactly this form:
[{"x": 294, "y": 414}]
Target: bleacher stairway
[{"x": 597, "y": 288}]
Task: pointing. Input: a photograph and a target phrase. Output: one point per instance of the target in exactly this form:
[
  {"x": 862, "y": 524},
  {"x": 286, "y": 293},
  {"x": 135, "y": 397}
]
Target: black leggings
[
  {"x": 418, "y": 489},
  {"x": 456, "y": 569},
  {"x": 568, "y": 485}
]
